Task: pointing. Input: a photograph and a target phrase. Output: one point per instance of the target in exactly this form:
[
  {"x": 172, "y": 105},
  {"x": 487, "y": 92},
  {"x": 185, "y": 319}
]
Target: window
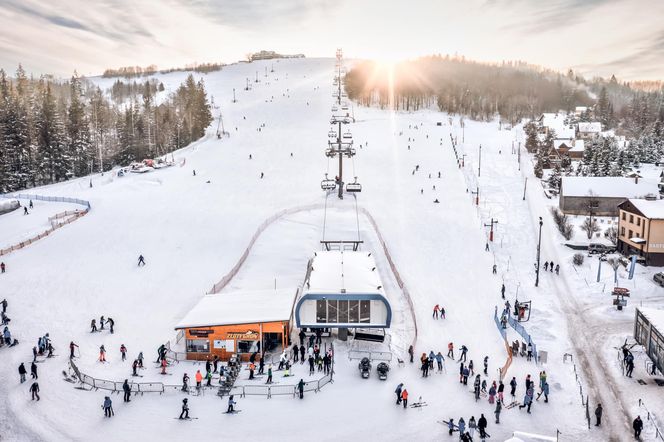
[
  {"x": 365, "y": 312},
  {"x": 638, "y": 221},
  {"x": 198, "y": 345},
  {"x": 631, "y": 218},
  {"x": 332, "y": 309},
  {"x": 343, "y": 312},
  {"x": 624, "y": 216},
  {"x": 622, "y": 231},
  {"x": 321, "y": 310},
  {"x": 247, "y": 346},
  {"x": 631, "y": 234},
  {"x": 353, "y": 312}
]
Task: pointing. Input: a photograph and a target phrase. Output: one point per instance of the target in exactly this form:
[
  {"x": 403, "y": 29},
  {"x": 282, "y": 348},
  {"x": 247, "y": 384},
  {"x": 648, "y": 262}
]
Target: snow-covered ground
[{"x": 193, "y": 229}]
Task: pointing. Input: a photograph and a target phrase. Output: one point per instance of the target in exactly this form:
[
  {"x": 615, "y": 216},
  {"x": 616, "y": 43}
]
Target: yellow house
[{"x": 641, "y": 229}]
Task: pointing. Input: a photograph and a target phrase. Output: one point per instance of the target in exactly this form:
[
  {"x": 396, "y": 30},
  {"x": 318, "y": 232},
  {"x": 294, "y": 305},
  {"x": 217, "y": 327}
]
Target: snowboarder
[
  {"x": 71, "y": 349},
  {"x": 404, "y": 398},
  {"x": 638, "y": 426},
  {"x": 34, "y": 389},
  {"x": 33, "y": 371},
  {"x": 398, "y": 392},
  {"x": 127, "y": 391},
  {"x": 102, "y": 354},
  {"x": 123, "y": 352},
  {"x": 499, "y": 407},
  {"x": 411, "y": 353},
  {"x": 22, "y": 372},
  {"x": 93, "y": 326},
  {"x": 231, "y": 402},
  {"x": 300, "y": 388},
  {"x": 185, "y": 409},
  {"x": 598, "y": 415},
  {"x": 481, "y": 425},
  {"x": 141, "y": 260}
]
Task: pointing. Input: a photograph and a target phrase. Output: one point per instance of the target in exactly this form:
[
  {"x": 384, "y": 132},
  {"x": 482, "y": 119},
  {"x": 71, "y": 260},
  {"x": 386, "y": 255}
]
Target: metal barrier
[
  {"x": 521, "y": 330},
  {"x": 372, "y": 355}
]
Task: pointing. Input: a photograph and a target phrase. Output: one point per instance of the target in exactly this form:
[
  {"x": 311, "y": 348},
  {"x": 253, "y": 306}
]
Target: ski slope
[{"x": 193, "y": 229}]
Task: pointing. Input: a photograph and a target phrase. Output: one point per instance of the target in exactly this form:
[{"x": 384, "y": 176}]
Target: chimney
[{"x": 636, "y": 179}]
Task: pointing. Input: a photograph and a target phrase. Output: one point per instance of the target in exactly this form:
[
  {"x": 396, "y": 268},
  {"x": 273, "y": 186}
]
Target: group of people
[
  {"x": 549, "y": 266},
  {"x": 428, "y": 361},
  {"x": 6, "y": 337},
  {"x": 466, "y": 433},
  {"x": 43, "y": 346},
  {"x": 438, "y": 310},
  {"x": 102, "y": 322}
]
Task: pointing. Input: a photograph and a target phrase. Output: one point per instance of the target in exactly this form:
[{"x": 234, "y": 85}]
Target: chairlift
[
  {"x": 347, "y": 136},
  {"x": 328, "y": 184},
  {"x": 354, "y": 187},
  {"x": 335, "y": 109},
  {"x": 332, "y": 134}
]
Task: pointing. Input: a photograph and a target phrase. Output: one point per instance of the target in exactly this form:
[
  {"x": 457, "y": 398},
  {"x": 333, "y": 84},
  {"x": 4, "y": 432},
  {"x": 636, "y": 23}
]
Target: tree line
[{"x": 52, "y": 130}]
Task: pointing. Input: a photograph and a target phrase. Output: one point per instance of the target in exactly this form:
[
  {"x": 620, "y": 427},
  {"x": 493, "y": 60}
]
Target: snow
[
  {"x": 336, "y": 271},
  {"x": 608, "y": 187},
  {"x": 655, "y": 316},
  {"x": 578, "y": 146},
  {"x": 8, "y": 204},
  {"x": 228, "y": 308},
  {"x": 193, "y": 232},
  {"x": 590, "y": 127},
  {"x": 556, "y": 122},
  {"x": 650, "y": 209}
]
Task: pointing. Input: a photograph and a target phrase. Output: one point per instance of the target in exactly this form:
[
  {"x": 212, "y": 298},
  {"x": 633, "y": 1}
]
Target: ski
[
  {"x": 511, "y": 405},
  {"x": 232, "y": 412},
  {"x": 185, "y": 418}
]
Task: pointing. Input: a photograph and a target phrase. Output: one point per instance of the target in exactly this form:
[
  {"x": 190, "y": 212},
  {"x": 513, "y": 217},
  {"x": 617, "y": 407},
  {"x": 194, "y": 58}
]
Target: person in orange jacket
[
  {"x": 450, "y": 350},
  {"x": 199, "y": 378},
  {"x": 404, "y": 398},
  {"x": 252, "y": 367}
]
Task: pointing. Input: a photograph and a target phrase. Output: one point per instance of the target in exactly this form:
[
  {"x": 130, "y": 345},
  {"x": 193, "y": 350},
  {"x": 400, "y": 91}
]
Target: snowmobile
[
  {"x": 365, "y": 367},
  {"x": 382, "y": 370}
]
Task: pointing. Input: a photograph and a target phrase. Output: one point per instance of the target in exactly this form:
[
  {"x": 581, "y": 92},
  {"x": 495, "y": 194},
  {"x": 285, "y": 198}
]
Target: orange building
[{"x": 238, "y": 324}]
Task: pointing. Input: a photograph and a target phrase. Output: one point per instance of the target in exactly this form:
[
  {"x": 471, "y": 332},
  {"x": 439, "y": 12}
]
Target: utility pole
[
  {"x": 524, "y": 189},
  {"x": 519, "y": 155},
  {"x": 491, "y": 231},
  {"x": 256, "y": 76},
  {"x": 539, "y": 246},
  {"x": 234, "y": 100},
  {"x": 479, "y": 163},
  {"x": 246, "y": 88}
]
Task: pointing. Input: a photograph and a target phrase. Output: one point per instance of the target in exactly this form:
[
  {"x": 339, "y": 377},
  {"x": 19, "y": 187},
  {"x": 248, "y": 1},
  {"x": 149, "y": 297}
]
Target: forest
[{"x": 52, "y": 130}]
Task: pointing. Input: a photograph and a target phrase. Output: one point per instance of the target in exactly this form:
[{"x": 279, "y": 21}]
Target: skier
[
  {"x": 439, "y": 361},
  {"x": 471, "y": 367},
  {"x": 252, "y": 367},
  {"x": 22, "y": 372},
  {"x": 442, "y": 312},
  {"x": 302, "y": 350},
  {"x": 25, "y": 211},
  {"x": 51, "y": 349},
  {"x": 464, "y": 350},
  {"x": 638, "y": 426},
  {"x": 4, "y": 306},
  {"x": 404, "y": 398},
  {"x": 231, "y": 402},
  {"x": 450, "y": 350},
  {"x": 545, "y": 392},
  {"x": 311, "y": 365},
  {"x": 436, "y": 308},
  {"x": 411, "y": 353},
  {"x": 501, "y": 389},
  {"x": 262, "y": 175},
  {"x": 557, "y": 269},
  {"x": 199, "y": 378},
  {"x": 466, "y": 373},
  {"x": 33, "y": 371},
  {"x": 261, "y": 365},
  {"x": 432, "y": 356},
  {"x": 34, "y": 389},
  {"x": 494, "y": 269},
  {"x": 110, "y": 323},
  {"x": 164, "y": 364},
  {"x": 481, "y": 425},
  {"x": 629, "y": 364},
  {"x": 2, "y": 267},
  {"x": 93, "y": 326},
  {"x": 215, "y": 363},
  {"x": 450, "y": 426},
  {"x": 140, "y": 359},
  {"x": 102, "y": 321},
  {"x": 300, "y": 388},
  {"x": 185, "y": 382},
  {"x": 513, "y": 387},
  {"x": 486, "y": 365},
  {"x": 141, "y": 260},
  {"x": 102, "y": 354},
  {"x": 598, "y": 415},
  {"x": 107, "y": 406},
  {"x": 497, "y": 411},
  {"x": 269, "y": 374},
  {"x": 185, "y": 409},
  {"x": 34, "y": 350},
  {"x": 546, "y": 265},
  {"x": 134, "y": 366},
  {"x": 486, "y": 247},
  {"x": 127, "y": 391},
  {"x": 462, "y": 426},
  {"x": 492, "y": 393},
  {"x": 71, "y": 349},
  {"x": 476, "y": 387},
  {"x": 527, "y": 399},
  {"x": 551, "y": 266},
  {"x": 123, "y": 352},
  {"x": 472, "y": 426},
  {"x": 296, "y": 352},
  {"x": 30, "y": 204},
  {"x": 398, "y": 392}
]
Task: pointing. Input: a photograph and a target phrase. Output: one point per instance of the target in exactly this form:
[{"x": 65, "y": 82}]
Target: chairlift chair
[
  {"x": 332, "y": 134},
  {"x": 327, "y": 184},
  {"x": 347, "y": 136},
  {"x": 335, "y": 109},
  {"x": 354, "y": 187}
]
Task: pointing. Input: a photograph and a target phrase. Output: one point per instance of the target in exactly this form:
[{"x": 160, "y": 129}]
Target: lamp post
[
  {"x": 539, "y": 246},
  {"x": 479, "y": 162}
]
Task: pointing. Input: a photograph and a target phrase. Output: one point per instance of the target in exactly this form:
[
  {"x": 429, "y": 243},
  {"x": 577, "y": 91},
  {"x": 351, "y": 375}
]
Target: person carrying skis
[
  {"x": 141, "y": 260},
  {"x": 300, "y": 388},
  {"x": 185, "y": 409},
  {"x": 93, "y": 326},
  {"x": 34, "y": 389},
  {"x": 404, "y": 398},
  {"x": 123, "y": 352},
  {"x": 33, "y": 371},
  {"x": 72, "y": 346},
  {"x": 436, "y": 309},
  {"x": 398, "y": 392},
  {"x": 107, "y": 406},
  {"x": 127, "y": 391},
  {"x": 102, "y": 354},
  {"x": 22, "y": 372},
  {"x": 638, "y": 426},
  {"x": 231, "y": 402},
  {"x": 481, "y": 425}
]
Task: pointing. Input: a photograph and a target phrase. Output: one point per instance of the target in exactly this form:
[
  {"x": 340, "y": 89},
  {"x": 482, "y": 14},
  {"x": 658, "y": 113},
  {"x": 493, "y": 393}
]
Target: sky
[{"x": 593, "y": 37}]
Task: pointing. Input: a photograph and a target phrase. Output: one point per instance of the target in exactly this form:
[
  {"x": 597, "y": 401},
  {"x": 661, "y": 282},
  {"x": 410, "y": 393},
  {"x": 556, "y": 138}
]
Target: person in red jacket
[
  {"x": 199, "y": 379},
  {"x": 404, "y": 398},
  {"x": 163, "y": 366},
  {"x": 436, "y": 309}
]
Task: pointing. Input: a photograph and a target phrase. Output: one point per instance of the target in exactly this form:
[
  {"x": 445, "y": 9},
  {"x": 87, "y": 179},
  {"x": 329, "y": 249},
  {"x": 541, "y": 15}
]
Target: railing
[
  {"x": 73, "y": 215},
  {"x": 372, "y": 355},
  {"x": 521, "y": 330},
  {"x": 116, "y": 387},
  {"x": 651, "y": 418}
]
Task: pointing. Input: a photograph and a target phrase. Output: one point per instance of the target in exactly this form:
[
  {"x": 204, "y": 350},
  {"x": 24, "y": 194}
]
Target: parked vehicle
[
  {"x": 600, "y": 248},
  {"x": 659, "y": 278}
]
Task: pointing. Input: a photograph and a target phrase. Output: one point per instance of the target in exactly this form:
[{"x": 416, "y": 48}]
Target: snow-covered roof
[
  {"x": 240, "y": 308},
  {"x": 581, "y": 109},
  {"x": 594, "y": 127},
  {"x": 559, "y": 142},
  {"x": 655, "y": 316},
  {"x": 608, "y": 187},
  {"x": 556, "y": 122},
  {"x": 344, "y": 272},
  {"x": 579, "y": 146},
  {"x": 650, "y": 209}
]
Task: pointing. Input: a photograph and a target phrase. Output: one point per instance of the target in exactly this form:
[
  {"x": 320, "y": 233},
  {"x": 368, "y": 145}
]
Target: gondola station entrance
[{"x": 238, "y": 324}]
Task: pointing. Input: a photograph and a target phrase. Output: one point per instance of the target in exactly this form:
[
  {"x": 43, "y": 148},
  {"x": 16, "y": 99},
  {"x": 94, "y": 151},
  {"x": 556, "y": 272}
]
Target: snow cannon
[
  {"x": 365, "y": 368},
  {"x": 382, "y": 370}
]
